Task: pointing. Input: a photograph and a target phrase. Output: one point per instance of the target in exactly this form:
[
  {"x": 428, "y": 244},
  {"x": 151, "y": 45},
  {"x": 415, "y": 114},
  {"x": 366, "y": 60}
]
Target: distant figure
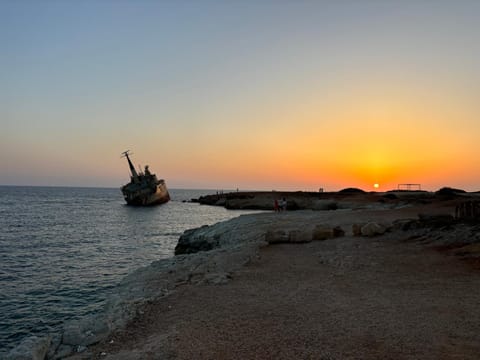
[
  {"x": 147, "y": 171},
  {"x": 275, "y": 206},
  {"x": 283, "y": 204}
]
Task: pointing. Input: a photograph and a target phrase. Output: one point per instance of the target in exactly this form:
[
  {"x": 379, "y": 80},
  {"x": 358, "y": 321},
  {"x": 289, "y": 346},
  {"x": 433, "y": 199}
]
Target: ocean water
[{"x": 63, "y": 250}]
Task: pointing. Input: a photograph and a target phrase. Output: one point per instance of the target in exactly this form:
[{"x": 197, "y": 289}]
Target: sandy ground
[{"x": 385, "y": 297}]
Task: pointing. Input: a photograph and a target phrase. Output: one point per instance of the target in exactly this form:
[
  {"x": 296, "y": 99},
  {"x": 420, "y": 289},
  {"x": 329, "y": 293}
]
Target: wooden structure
[
  {"x": 409, "y": 187},
  {"x": 468, "y": 210}
]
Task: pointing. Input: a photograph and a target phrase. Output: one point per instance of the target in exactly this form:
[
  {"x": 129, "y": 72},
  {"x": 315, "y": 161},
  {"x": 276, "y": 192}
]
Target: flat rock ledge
[{"x": 211, "y": 254}]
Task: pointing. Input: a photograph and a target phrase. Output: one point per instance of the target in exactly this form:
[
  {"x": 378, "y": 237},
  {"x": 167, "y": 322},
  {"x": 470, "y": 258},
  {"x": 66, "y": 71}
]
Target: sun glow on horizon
[{"x": 222, "y": 103}]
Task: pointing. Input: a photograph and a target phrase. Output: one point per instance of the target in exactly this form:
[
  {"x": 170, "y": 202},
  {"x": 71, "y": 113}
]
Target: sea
[{"x": 63, "y": 250}]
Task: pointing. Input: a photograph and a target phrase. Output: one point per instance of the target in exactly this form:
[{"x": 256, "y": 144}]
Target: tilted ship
[{"x": 144, "y": 189}]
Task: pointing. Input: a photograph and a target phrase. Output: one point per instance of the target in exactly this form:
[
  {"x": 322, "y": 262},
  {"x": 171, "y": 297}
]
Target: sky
[{"x": 254, "y": 94}]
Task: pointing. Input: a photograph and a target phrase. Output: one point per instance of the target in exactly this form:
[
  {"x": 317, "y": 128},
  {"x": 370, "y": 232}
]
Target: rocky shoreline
[
  {"x": 350, "y": 198},
  {"x": 211, "y": 255}
]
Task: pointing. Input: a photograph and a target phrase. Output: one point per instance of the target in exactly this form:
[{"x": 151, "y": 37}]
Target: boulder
[
  {"x": 86, "y": 331},
  {"x": 372, "y": 229},
  {"x": 31, "y": 348},
  {"x": 195, "y": 240},
  {"x": 322, "y": 232},
  {"x": 299, "y": 236},
  {"x": 357, "y": 229},
  {"x": 276, "y": 236},
  {"x": 293, "y": 236}
]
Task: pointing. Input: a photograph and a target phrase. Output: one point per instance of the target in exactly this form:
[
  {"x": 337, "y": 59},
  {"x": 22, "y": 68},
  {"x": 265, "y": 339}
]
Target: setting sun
[{"x": 376, "y": 186}]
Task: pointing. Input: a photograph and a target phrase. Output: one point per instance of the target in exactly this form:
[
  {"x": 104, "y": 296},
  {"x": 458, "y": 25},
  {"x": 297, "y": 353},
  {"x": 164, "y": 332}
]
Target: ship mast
[{"x": 132, "y": 168}]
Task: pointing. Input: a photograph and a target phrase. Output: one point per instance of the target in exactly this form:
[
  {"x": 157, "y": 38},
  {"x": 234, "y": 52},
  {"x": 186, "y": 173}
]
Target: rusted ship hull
[
  {"x": 144, "y": 188},
  {"x": 141, "y": 196}
]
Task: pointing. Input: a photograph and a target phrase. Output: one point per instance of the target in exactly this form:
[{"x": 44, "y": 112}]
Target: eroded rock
[
  {"x": 84, "y": 332},
  {"x": 357, "y": 229},
  {"x": 31, "y": 348},
  {"x": 373, "y": 229},
  {"x": 299, "y": 236},
  {"x": 276, "y": 237},
  {"x": 195, "y": 240},
  {"x": 323, "y": 232}
]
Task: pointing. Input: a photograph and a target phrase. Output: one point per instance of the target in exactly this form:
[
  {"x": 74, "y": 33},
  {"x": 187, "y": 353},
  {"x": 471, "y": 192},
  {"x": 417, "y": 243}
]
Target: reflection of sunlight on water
[{"x": 64, "y": 250}]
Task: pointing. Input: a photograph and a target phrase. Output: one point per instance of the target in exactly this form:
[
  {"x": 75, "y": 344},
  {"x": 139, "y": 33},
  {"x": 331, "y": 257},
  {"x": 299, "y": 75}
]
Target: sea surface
[{"x": 64, "y": 250}]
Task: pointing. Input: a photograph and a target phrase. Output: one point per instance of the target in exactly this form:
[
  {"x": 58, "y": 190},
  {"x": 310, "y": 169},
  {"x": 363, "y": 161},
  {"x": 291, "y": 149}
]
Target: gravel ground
[{"x": 346, "y": 298}]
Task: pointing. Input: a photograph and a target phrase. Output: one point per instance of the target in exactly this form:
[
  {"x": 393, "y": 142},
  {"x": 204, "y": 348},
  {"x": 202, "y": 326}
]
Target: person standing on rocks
[{"x": 275, "y": 206}]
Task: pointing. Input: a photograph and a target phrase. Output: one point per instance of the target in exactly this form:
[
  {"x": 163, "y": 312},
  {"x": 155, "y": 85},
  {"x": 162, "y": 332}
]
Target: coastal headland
[
  {"x": 349, "y": 275},
  {"x": 302, "y": 200}
]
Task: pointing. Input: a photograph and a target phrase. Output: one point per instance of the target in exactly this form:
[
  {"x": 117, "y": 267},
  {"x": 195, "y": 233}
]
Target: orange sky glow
[{"x": 261, "y": 96}]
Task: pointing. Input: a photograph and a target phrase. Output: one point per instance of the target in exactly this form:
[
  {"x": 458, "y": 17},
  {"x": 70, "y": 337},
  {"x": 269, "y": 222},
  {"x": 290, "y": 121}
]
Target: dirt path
[{"x": 348, "y": 298}]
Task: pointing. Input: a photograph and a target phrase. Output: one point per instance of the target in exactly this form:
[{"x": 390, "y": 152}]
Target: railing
[
  {"x": 468, "y": 210},
  {"x": 409, "y": 187}
]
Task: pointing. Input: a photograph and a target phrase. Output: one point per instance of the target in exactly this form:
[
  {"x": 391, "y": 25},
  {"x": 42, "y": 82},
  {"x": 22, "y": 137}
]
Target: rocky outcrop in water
[
  {"x": 349, "y": 198},
  {"x": 265, "y": 200},
  {"x": 195, "y": 240}
]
